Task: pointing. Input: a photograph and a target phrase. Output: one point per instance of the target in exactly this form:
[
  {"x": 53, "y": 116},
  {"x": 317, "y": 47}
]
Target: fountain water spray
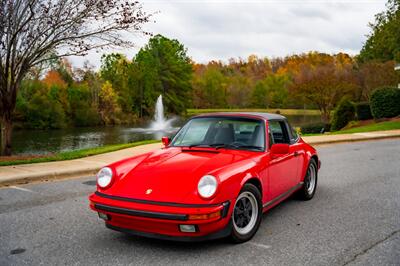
[{"x": 160, "y": 123}]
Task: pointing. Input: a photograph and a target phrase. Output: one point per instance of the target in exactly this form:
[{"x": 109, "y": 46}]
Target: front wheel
[
  {"x": 310, "y": 182},
  {"x": 247, "y": 214}
]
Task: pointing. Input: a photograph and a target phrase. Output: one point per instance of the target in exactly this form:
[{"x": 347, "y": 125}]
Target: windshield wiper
[
  {"x": 199, "y": 145},
  {"x": 227, "y": 145},
  {"x": 251, "y": 147},
  {"x": 213, "y": 145}
]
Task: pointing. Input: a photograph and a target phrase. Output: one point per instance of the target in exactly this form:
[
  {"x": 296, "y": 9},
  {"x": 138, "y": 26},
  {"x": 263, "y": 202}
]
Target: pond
[{"x": 27, "y": 141}]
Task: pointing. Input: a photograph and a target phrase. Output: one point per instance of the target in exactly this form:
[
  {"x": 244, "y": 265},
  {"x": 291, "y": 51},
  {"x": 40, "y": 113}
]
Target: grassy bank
[
  {"x": 62, "y": 156},
  {"x": 387, "y": 125},
  {"x": 282, "y": 111}
]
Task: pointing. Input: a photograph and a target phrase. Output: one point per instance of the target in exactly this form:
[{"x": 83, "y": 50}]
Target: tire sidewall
[
  {"x": 305, "y": 194},
  {"x": 237, "y": 237}
]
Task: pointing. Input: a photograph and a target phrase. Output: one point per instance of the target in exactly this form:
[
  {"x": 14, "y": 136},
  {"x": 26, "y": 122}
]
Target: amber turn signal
[{"x": 204, "y": 216}]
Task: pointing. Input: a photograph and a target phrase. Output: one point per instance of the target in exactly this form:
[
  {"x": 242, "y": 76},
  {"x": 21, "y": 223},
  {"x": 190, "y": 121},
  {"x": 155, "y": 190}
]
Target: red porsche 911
[{"x": 214, "y": 179}]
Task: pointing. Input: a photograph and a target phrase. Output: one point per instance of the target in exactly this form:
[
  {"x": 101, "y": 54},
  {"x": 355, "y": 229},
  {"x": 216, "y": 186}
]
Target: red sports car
[{"x": 214, "y": 179}]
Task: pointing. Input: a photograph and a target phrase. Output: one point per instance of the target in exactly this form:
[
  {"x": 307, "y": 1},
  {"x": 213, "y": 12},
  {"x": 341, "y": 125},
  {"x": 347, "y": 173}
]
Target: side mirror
[
  {"x": 279, "y": 149},
  {"x": 166, "y": 141}
]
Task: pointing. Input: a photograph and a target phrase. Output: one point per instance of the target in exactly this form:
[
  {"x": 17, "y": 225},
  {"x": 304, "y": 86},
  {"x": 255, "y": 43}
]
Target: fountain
[{"x": 160, "y": 123}]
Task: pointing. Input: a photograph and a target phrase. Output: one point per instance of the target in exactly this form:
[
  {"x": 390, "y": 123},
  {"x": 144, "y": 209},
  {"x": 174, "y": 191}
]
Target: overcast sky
[{"x": 222, "y": 29}]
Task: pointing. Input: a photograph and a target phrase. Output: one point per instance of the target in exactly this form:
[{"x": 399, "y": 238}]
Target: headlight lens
[
  {"x": 207, "y": 186},
  {"x": 104, "y": 177}
]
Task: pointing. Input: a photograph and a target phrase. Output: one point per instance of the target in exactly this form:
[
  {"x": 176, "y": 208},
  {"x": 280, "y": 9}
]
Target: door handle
[{"x": 296, "y": 153}]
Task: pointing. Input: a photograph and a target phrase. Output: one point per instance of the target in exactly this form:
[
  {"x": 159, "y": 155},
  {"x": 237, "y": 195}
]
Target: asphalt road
[{"x": 354, "y": 219}]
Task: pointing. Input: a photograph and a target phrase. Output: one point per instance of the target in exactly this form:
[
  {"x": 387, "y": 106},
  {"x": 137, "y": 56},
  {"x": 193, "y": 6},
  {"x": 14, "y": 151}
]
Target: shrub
[
  {"x": 385, "y": 103},
  {"x": 343, "y": 114},
  {"x": 315, "y": 128},
  {"x": 43, "y": 112},
  {"x": 363, "y": 111}
]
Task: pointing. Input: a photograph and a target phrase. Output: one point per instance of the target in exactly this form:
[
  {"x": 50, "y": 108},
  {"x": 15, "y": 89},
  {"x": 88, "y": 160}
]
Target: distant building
[{"x": 397, "y": 67}]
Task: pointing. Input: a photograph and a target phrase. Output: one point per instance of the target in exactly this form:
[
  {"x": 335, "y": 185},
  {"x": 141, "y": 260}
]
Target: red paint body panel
[{"x": 172, "y": 174}]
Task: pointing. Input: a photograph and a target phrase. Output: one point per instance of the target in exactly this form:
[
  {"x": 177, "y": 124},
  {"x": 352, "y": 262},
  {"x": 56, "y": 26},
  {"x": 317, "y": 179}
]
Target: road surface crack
[{"x": 364, "y": 251}]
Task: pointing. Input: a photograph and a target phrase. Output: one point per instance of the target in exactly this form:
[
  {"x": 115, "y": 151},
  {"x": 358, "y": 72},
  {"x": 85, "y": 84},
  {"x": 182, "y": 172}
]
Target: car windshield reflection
[{"x": 222, "y": 133}]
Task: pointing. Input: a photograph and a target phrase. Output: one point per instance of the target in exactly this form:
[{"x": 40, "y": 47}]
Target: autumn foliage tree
[
  {"x": 108, "y": 105},
  {"x": 35, "y": 31},
  {"x": 324, "y": 81}
]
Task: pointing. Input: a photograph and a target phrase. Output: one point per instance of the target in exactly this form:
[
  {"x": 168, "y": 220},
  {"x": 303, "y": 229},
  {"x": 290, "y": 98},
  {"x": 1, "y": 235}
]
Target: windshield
[{"x": 222, "y": 132}]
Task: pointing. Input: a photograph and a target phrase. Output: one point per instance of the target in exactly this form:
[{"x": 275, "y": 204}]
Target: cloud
[{"x": 219, "y": 30}]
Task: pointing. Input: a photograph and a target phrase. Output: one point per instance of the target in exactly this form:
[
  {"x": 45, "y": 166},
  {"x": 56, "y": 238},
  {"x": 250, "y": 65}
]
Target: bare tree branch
[{"x": 32, "y": 31}]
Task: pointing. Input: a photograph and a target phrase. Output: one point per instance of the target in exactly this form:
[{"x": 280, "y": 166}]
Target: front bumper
[{"x": 160, "y": 219}]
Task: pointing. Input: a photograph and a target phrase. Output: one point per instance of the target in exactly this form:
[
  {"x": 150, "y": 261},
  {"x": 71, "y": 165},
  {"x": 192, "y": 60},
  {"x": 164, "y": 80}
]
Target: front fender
[
  {"x": 309, "y": 153},
  {"x": 233, "y": 178}
]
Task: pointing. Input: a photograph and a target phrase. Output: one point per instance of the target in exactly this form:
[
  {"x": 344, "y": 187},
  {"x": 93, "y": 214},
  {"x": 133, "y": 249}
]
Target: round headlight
[
  {"x": 207, "y": 186},
  {"x": 104, "y": 177}
]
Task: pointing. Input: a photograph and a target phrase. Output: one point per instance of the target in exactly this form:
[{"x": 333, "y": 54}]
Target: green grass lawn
[
  {"x": 282, "y": 111},
  {"x": 69, "y": 155},
  {"x": 387, "y": 125}
]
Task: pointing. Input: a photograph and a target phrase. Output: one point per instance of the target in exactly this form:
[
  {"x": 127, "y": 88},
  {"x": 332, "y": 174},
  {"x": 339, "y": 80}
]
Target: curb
[
  {"x": 322, "y": 142},
  {"x": 49, "y": 176},
  {"x": 90, "y": 171}
]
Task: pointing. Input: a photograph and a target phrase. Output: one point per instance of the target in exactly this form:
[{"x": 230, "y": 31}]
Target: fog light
[
  {"x": 187, "y": 228},
  {"x": 104, "y": 216}
]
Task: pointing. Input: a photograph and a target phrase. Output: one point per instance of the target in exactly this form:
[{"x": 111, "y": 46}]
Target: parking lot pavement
[{"x": 354, "y": 219}]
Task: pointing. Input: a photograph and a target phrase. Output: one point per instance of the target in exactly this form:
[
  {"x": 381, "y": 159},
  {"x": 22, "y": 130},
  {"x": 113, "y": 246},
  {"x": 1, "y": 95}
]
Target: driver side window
[{"x": 279, "y": 132}]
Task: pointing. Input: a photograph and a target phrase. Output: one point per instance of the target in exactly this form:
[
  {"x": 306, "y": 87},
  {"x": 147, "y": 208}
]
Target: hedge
[
  {"x": 343, "y": 114},
  {"x": 315, "y": 128},
  {"x": 385, "y": 102},
  {"x": 363, "y": 111}
]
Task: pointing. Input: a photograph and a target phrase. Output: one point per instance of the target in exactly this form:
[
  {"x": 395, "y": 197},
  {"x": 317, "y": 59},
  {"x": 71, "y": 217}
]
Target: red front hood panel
[{"x": 172, "y": 175}]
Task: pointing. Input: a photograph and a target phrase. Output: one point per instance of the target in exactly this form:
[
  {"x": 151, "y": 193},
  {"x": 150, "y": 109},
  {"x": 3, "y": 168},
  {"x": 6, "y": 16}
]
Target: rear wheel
[
  {"x": 247, "y": 214},
  {"x": 310, "y": 182}
]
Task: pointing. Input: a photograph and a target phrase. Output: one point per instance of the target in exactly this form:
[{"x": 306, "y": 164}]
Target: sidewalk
[{"x": 88, "y": 166}]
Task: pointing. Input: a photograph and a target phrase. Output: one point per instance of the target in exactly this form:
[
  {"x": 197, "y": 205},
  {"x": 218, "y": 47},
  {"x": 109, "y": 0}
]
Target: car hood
[{"x": 172, "y": 174}]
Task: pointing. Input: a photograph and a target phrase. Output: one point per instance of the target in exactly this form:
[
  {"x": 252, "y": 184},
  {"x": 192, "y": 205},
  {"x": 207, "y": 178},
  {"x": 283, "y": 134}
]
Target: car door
[
  {"x": 297, "y": 148},
  {"x": 282, "y": 170}
]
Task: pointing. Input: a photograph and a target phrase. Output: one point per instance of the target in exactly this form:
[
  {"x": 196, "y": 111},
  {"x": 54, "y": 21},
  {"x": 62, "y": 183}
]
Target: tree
[
  {"x": 324, "y": 82},
  {"x": 271, "y": 92},
  {"x": 117, "y": 69},
  {"x": 374, "y": 74},
  {"x": 108, "y": 105},
  {"x": 277, "y": 89},
  {"x": 163, "y": 67},
  {"x": 239, "y": 91},
  {"x": 32, "y": 31},
  {"x": 383, "y": 43},
  {"x": 260, "y": 96},
  {"x": 210, "y": 88}
]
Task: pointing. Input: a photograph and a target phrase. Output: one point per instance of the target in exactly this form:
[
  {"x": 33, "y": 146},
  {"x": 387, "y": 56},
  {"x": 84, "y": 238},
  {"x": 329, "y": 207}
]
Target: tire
[
  {"x": 310, "y": 181},
  {"x": 246, "y": 214}
]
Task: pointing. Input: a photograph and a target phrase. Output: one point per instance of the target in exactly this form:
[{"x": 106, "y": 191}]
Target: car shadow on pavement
[{"x": 169, "y": 244}]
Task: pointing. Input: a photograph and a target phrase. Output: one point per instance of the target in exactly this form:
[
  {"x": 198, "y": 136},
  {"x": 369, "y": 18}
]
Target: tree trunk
[
  {"x": 325, "y": 115},
  {"x": 6, "y": 132}
]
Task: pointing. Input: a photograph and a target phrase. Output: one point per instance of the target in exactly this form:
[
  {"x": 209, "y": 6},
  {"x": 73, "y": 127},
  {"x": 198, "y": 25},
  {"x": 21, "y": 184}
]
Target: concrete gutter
[{"x": 27, "y": 173}]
